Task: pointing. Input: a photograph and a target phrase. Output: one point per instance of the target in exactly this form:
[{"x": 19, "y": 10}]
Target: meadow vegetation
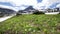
[{"x": 31, "y": 24}]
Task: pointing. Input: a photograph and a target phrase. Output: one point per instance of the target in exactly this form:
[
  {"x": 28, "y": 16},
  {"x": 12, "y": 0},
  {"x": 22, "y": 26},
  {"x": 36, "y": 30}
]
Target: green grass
[{"x": 31, "y": 24}]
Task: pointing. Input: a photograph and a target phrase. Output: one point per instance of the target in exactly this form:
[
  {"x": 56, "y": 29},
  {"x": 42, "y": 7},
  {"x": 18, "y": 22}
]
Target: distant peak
[{"x": 30, "y": 8}]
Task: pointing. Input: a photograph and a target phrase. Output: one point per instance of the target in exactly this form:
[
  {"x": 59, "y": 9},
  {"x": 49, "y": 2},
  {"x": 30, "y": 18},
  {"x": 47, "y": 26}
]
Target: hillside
[
  {"x": 31, "y": 24},
  {"x": 6, "y": 12}
]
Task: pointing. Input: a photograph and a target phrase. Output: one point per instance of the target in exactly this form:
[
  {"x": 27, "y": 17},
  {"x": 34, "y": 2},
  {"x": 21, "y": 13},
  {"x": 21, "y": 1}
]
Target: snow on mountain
[{"x": 8, "y": 7}]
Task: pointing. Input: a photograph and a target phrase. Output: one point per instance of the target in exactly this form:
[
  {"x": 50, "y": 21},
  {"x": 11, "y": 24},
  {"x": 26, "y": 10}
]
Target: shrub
[
  {"x": 1, "y": 15},
  {"x": 17, "y": 14},
  {"x": 38, "y": 12},
  {"x": 59, "y": 12}
]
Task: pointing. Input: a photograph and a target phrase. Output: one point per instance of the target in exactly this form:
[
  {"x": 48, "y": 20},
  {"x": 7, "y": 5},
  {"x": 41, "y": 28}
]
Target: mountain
[
  {"x": 8, "y": 7},
  {"x": 5, "y": 11},
  {"x": 29, "y": 8}
]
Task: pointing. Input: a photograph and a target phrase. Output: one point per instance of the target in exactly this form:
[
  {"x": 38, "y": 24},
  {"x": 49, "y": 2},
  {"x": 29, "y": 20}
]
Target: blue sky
[
  {"x": 38, "y": 4},
  {"x": 5, "y": 3},
  {"x": 39, "y": 1},
  {"x": 8, "y": 4}
]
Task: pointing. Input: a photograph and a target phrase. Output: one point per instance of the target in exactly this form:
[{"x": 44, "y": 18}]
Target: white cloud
[
  {"x": 50, "y": 2},
  {"x": 21, "y": 2},
  {"x": 46, "y": 3},
  {"x": 24, "y": 2},
  {"x": 17, "y": 3},
  {"x": 42, "y": 5},
  {"x": 4, "y": 0},
  {"x": 58, "y": 5},
  {"x": 9, "y": 7}
]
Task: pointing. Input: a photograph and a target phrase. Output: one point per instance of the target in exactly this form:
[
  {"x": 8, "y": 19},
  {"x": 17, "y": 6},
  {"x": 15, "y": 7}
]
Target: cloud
[
  {"x": 58, "y": 5},
  {"x": 39, "y": 1},
  {"x": 9, "y": 7},
  {"x": 51, "y": 2},
  {"x": 22, "y": 4},
  {"x": 4, "y": 0},
  {"x": 6, "y": 3},
  {"x": 18, "y": 4},
  {"x": 46, "y": 4}
]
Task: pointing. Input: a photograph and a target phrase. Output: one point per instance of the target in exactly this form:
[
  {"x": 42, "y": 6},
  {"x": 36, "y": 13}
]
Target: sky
[{"x": 22, "y": 4}]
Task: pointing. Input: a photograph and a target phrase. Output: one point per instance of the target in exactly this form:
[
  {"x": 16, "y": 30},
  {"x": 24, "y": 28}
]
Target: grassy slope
[{"x": 31, "y": 24}]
